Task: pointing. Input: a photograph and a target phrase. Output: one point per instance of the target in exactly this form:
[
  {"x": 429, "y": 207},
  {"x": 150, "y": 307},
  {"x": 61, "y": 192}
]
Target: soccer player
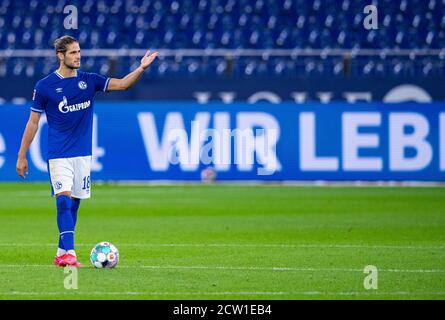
[{"x": 66, "y": 96}]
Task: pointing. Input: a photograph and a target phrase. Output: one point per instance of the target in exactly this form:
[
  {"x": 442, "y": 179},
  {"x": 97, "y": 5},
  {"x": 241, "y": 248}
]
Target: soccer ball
[
  {"x": 208, "y": 175},
  {"x": 104, "y": 255}
]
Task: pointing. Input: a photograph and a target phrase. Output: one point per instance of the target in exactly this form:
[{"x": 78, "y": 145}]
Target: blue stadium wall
[
  {"x": 149, "y": 140},
  {"x": 298, "y": 90}
]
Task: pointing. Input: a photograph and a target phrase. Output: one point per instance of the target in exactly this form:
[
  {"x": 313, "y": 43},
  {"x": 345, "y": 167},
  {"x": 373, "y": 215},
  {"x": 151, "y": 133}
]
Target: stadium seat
[{"x": 230, "y": 24}]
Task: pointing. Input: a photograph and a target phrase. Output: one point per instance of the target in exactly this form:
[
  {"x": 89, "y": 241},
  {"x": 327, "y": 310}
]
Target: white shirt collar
[{"x": 62, "y": 77}]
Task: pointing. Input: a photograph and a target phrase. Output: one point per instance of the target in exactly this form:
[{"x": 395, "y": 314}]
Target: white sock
[
  {"x": 72, "y": 252},
  {"x": 60, "y": 252}
]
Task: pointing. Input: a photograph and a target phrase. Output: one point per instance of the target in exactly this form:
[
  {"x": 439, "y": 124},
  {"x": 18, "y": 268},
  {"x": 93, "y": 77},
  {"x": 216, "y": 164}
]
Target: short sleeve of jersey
[
  {"x": 39, "y": 99},
  {"x": 100, "y": 82}
]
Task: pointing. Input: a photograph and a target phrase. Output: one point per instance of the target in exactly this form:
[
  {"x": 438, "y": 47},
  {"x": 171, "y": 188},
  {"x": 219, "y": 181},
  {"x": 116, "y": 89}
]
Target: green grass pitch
[{"x": 230, "y": 242}]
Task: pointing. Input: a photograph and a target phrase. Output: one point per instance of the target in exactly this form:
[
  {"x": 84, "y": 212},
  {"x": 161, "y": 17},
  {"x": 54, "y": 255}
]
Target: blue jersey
[{"x": 68, "y": 104}]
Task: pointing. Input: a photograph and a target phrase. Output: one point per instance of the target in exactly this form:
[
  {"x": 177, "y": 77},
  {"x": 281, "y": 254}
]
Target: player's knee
[
  {"x": 64, "y": 193},
  {"x": 63, "y": 202},
  {"x": 62, "y": 199}
]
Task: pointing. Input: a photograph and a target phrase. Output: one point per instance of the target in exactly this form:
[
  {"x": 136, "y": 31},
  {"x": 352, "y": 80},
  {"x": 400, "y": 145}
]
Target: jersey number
[{"x": 86, "y": 183}]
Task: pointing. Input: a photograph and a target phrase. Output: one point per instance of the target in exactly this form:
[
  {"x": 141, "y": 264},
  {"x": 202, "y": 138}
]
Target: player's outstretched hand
[
  {"x": 148, "y": 59},
  {"x": 22, "y": 167}
]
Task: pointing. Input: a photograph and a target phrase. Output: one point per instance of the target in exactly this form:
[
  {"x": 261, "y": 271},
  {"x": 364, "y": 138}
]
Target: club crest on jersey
[
  {"x": 58, "y": 185},
  {"x": 82, "y": 85}
]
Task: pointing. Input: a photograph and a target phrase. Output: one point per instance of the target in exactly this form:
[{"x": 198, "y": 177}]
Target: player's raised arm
[
  {"x": 28, "y": 136},
  {"x": 131, "y": 78}
]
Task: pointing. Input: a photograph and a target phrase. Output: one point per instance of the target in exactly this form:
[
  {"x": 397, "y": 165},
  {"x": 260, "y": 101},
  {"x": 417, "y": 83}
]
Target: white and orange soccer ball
[{"x": 104, "y": 255}]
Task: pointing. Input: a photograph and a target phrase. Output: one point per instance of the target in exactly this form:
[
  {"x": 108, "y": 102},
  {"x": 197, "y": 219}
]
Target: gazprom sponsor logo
[{"x": 65, "y": 108}]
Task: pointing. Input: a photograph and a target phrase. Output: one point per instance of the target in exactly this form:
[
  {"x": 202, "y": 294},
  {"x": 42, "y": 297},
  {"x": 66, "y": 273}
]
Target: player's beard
[{"x": 71, "y": 66}]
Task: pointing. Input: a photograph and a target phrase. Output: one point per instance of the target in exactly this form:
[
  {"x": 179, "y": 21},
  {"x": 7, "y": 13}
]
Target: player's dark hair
[{"x": 61, "y": 44}]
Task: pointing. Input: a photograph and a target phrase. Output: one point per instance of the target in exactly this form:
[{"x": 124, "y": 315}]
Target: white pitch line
[
  {"x": 283, "y": 269},
  {"x": 241, "y": 245},
  {"x": 228, "y": 268},
  {"x": 145, "y": 293},
  {"x": 278, "y": 245},
  {"x": 372, "y": 293},
  {"x": 286, "y": 269},
  {"x": 306, "y": 293}
]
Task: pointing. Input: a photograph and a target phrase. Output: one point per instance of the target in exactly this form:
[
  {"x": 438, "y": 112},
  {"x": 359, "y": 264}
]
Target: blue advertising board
[
  {"x": 299, "y": 90},
  {"x": 287, "y": 141}
]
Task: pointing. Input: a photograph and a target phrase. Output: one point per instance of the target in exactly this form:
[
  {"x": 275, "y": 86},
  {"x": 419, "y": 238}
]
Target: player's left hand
[
  {"x": 148, "y": 59},
  {"x": 22, "y": 167}
]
